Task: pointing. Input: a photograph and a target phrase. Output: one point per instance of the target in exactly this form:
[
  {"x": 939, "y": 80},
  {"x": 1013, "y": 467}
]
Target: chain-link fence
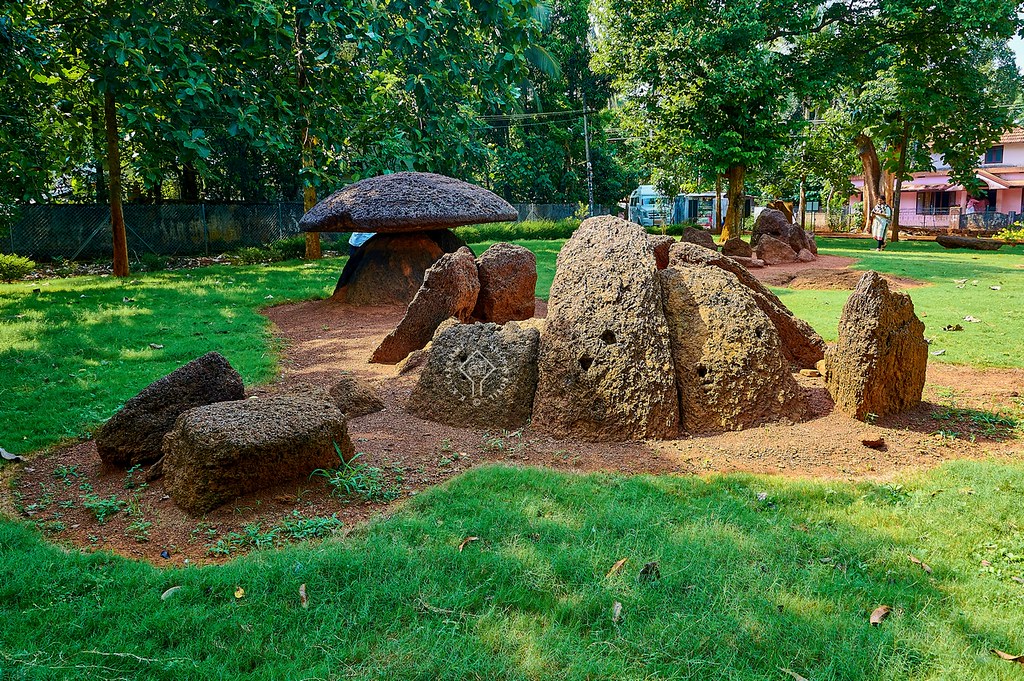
[{"x": 82, "y": 232}]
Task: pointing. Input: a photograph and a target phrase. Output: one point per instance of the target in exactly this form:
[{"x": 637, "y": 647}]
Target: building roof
[{"x": 1014, "y": 136}]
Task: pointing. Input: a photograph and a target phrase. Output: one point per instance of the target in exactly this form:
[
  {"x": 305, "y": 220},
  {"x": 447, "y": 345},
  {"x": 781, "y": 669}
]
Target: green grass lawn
[
  {"x": 748, "y": 587},
  {"x": 74, "y": 352}
]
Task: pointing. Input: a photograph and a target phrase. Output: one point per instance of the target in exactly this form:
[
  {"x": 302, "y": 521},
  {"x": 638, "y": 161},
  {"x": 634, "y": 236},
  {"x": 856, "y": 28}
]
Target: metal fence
[
  {"x": 82, "y": 232},
  {"x": 73, "y": 232},
  {"x": 932, "y": 222}
]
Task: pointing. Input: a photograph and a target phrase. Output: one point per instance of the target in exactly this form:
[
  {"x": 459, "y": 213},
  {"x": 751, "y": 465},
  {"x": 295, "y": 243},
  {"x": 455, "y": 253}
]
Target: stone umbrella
[{"x": 412, "y": 214}]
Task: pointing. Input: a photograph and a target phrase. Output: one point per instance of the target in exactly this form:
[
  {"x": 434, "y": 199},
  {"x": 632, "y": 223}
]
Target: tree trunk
[
  {"x": 313, "y": 248},
  {"x": 97, "y": 144},
  {"x": 114, "y": 165},
  {"x": 734, "y": 214},
  {"x": 897, "y": 185},
  {"x": 872, "y": 175},
  {"x": 803, "y": 203},
  {"x": 717, "y": 228},
  {"x": 188, "y": 188}
]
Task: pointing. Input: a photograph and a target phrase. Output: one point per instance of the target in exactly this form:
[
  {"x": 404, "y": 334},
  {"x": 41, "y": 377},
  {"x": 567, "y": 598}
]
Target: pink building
[{"x": 929, "y": 200}]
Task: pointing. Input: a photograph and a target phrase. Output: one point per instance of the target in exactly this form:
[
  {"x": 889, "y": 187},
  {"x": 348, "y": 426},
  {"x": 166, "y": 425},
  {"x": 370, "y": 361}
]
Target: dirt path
[{"x": 322, "y": 338}]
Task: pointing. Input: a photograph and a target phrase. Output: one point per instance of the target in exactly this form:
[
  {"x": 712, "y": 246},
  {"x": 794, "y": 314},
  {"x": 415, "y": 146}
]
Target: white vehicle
[{"x": 649, "y": 207}]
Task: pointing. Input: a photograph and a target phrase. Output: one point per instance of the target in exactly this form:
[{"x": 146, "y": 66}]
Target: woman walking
[{"x": 880, "y": 225}]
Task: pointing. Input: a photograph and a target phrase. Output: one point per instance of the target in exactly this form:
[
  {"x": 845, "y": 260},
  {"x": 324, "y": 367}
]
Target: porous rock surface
[
  {"x": 800, "y": 343},
  {"x": 389, "y": 268},
  {"x": 877, "y": 365},
  {"x": 219, "y": 452},
  {"x": 951, "y": 241},
  {"x": 701, "y": 237},
  {"x": 775, "y": 252},
  {"x": 730, "y": 369},
  {"x": 450, "y": 288},
  {"x": 478, "y": 375},
  {"x": 737, "y": 247},
  {"x": 605, "y": 365},
  {"x": 406, "y": 202},
  {"x": 135, "y": 433},
  {"x": 508, "y": 284},
  {"x": 355, "y": 396}
]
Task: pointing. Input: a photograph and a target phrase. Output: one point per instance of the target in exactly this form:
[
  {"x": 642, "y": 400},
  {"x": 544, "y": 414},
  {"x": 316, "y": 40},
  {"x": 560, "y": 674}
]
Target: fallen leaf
[
  {"x": 924, "y": 566},
  {"x": 239, "y": 592},
  {"x": 792, "y": 673},
  {"x": 302, "y": 596},
  {"x": 960, "y": 281},
  {"x": 127, "y": 300},
  {"x": 952, "y": 327},
  {"x": 762, "y": 496},
  {"x": 615, "y": 568},
  {"x": 268, "y": 297},
  {"x": 879, "y": 614},
  {"x": 973, "y": 320},
  {"x": 1019, "y": 580},
  {"x": 617, "y": 612},
  {"x": 466, "y": 541},
  {"x": 170, "y": 592},
  {"x": 996, "y": 288},
  {"x": 985, "y": 563},
  {"x": 938, "y": 352},
  {"x": 1019, "y": 659},
  {"x": 156, "y": 346},
  {"x": 7, "y": 456}
]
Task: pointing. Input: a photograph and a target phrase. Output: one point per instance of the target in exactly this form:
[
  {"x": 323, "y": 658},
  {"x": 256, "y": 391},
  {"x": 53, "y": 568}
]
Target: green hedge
[{"x": 540, "y": 229}]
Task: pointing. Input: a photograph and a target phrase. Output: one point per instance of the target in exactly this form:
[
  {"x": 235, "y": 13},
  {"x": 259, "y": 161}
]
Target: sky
[{"x": 1018, "y": 48}]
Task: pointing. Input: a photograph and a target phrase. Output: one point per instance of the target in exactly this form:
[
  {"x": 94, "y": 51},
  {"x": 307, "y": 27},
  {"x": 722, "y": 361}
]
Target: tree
[
  {"x": 935, "y": 79},
  {"x": 708, "y": 86}
]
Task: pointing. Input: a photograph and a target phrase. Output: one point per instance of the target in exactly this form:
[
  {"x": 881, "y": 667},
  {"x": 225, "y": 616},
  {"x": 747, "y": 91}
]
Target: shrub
[
  {"x": 151, "y": 262},
  {"x": 513, "y": 231},
  {"x": 14, "y": 267},
  {"x": 291, "y": 248},
  {"x": 254, "y": 255},
  {"x": 1014, "y": 232}
]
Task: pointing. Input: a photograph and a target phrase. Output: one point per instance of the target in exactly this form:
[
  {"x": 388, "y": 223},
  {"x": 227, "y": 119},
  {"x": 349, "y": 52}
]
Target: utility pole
[{"x": 590, "y": 168}]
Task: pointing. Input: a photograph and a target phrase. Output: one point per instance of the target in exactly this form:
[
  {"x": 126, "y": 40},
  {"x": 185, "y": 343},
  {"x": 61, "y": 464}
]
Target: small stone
[
  {"x": 508, "y": 284},
  {"x": 701, "y": 237},
  {"x": 661, "y": 243},
  {"x": 810, "y": 373},
  {"x": 805, "y": 256},
  {"x": 872, "y": 439},
  {"x": 775, "y": 252},
  {"x": 355, "y": 396},
  {"x": 737, "y": 247}
]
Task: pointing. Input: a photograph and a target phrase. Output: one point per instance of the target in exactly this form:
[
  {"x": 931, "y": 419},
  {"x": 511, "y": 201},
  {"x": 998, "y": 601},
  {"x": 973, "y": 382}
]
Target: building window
[
  {"x": 934, "y": 203},
  {"x": 994, "y": 155}
]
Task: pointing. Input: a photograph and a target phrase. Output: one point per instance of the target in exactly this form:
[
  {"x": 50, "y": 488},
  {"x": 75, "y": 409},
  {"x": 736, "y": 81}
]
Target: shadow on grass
[{"x": 756, "y": 574}]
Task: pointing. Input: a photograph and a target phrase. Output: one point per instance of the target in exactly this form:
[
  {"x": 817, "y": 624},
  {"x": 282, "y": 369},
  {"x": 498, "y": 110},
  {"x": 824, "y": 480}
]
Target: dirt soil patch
[
  {"x": 322, "y": 338},
  {"x": 828, "y": 272}
]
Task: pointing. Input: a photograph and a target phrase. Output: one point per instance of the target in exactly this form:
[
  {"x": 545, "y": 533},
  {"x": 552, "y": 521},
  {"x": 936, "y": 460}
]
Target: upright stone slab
[
  {"x": 605, "y": 366},
  {"x": 661, "y": 243},
  {"x": 878, "y": 364},
  {"x": 450, "y": 288},
  {"x": 730, "y": 369},
  {"x": 478, "y": 375},
  {"x": 508, "y": 284},
  {"x": 135, "y": 433},
  {"x": 800, "y": 343},
  {"x": 219, "y": 452}
]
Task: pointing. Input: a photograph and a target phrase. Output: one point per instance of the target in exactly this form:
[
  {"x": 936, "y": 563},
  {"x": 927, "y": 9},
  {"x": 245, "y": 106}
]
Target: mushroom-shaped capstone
[
  {"x": 406, "y": 202},
  {"x": 412, "y": 214}
]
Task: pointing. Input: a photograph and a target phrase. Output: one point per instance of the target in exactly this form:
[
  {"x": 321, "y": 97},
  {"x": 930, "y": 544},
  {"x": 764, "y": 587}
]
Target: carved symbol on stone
[{"x": 483, "y": 370}]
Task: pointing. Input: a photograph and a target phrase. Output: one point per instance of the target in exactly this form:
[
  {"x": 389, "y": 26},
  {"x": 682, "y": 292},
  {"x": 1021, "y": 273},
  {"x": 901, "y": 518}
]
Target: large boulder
[
  {"x": 406, "y": 202},
  {"x": 135, "y": 433},
  {"x": 355, "y": 396},
  {"x": 478, "y": 375},
  {"x": 877, "y": 365},
  {"x": 450, "y": 288},
  {"x": 389, "y": 268},
  {"x": 775, "y": 252},
  {"x": 774, "y": 223},
  {"x": 605, "y": 365},
  {"x": 730, "y": 369},
  {"x": 701, "y": 237},
  {"x": 508, "y": 284},
  {"x": 800, "y": 343},
  {"x": 219, "y": 452},
  {"x": 737, "y": 247}
]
